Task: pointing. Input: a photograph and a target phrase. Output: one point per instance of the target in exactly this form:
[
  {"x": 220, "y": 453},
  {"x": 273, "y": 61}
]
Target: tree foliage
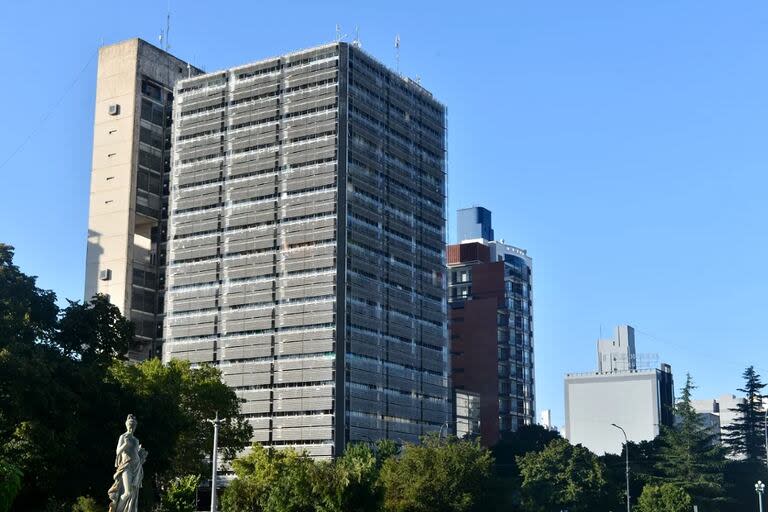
[
  {"x": 10, "y": 484},
  {"x": 271, "y": 480},
  {"x": 689, "y": 455},
  {"x": 744, "y": 437},
  {"x": 181, "y": 494},
  {"x": 562, "y": 476},
  {"x": 65, "y": 391},
  {"x": 87, "y": 504},
  {"x": 438, "y": 476},
  {"x": 664, "y": 498}
]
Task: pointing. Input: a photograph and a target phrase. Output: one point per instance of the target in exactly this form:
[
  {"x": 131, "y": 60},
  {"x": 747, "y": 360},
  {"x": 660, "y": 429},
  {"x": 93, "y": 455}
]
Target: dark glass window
[{"x": 151, "y": 90}]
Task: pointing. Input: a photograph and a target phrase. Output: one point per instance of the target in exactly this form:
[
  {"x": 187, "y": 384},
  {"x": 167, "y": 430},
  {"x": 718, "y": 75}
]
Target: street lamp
[
  {"x": 759, "y": 489},
  {"x": 626, "y": 451},
  {"x": 216, "y": 423}
]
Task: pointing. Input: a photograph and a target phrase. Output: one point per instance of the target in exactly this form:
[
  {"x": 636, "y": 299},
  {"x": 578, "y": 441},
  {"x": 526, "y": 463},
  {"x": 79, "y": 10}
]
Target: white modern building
[
  {"x": 717, "y": 414},
  {"x": 637, "y": 400}
]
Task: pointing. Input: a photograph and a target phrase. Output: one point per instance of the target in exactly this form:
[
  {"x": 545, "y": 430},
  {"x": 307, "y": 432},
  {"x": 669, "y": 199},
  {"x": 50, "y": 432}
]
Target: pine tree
[
  {"x": 745, "y": 437},
  {"x": 690, "y": 456}
]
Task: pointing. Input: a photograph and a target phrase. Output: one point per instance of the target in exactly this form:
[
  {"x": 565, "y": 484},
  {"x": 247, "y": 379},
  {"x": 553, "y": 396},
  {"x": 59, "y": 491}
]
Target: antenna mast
[
  {"x": 357, "y": 42},
  {"x": 397, "y": 52},
  {"x": 168, "y": 27}
]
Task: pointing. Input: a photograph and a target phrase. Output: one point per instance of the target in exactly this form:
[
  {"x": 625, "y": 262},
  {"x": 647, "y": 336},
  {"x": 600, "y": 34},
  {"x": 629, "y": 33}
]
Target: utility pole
[
  {"x": 216, "y": 422},
  {"x": 626, "y": 451}
]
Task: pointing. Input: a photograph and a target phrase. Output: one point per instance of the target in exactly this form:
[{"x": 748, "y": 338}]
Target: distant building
[
  {"x": 474, "y": 223},
  {"x": 491, "y": 325},
  {"x": 638, "y": 400},
  {"x": 617, "y": 354},
  {"x": 718, "y": 414},
  {"x": 545, "y": 419}
]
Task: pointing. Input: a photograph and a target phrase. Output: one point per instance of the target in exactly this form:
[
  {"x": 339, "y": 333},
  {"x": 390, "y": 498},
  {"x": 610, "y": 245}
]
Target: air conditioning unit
[
  {"x": 105, "y": 275},
  {"x": 114, "y": 109}
]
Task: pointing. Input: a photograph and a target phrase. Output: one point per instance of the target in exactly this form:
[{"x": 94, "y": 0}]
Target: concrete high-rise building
[
  {"x": 129, "y": 184},
  {"x": 491, "y": 324},
  {"x": 639, "y": 400},
  {"x": 307, "y": 246}
]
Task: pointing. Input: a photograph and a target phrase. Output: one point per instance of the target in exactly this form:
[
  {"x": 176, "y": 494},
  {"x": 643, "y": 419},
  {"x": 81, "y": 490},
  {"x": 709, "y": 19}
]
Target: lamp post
[
  {"x": 765, "y": 430},
  {"x": 216, "y": 422},
  {"x": 626, "y": 451},
  {"x": 759, "y": 489}
]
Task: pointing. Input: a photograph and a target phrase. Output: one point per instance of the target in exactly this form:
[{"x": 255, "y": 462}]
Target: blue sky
[{"x": 623, "y": 144}]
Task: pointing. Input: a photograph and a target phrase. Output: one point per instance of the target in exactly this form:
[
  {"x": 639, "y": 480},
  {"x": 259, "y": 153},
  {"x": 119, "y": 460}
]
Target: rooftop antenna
[
  {"x": 163, "y": 38},
  {"x": 168, "y": 27},
  {"x": 338, "y": 32},
  {"x": 357, "y": 42},
  {"x": 397, "y": 52}
]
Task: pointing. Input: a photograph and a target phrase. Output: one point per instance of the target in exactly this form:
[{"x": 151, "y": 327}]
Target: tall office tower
[
  {"x": 129, "y": 184},
  {"x": 618, "y": 354},
  {"x": 491, "y": 324},
  {"x": 307, "y": 246}
]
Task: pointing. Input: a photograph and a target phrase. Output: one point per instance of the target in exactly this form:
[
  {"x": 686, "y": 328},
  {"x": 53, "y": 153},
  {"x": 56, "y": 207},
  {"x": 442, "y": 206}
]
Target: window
[
  {"x": 151, "y": 90},
  {"x": 152, "y": 112}
]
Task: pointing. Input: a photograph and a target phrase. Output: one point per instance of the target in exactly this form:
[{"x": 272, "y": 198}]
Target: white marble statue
[{"x": 129, "y": 459}]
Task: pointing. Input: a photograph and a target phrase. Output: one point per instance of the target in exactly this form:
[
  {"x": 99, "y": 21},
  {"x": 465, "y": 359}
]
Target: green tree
[
  {"x": 454, "y": 475},
  {"x": 527, "y": 439},
  {"x": 744, "y": 437},
  {"x": 172, "y": 403},
  {"x": 181, "y": 494},
  {"x": 642, "y": 459},
  {"x": 95, "y": 333},
  {"x": 27, "y": 313},
  {"x": 562, "y": 476},
  {"x": 356, "y": 477},
  {"x": 271, "y": 480},
  {"x": 664, "y": 498},
  {"x": 87, "y": 504},
  {"x": 65, "y": 391},
  {"x": 689, "y": 455},
  {"x": 10, "y": 484}
]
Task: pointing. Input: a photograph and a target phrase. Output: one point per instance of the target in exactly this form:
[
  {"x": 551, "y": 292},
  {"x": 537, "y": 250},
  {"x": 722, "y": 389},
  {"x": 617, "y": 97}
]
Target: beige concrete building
[{"x": 129, "y": 183}]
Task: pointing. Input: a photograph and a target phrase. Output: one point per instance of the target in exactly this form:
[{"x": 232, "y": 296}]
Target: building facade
[
  {"x": 307, "y": 246},
  {"x": 491, "y": 325},
  {"x": 719, "y": 414},
  {"x": 129, "y": 184},
  {"x": 466, "y": 413},
  {"x": 639, "y": 400}
]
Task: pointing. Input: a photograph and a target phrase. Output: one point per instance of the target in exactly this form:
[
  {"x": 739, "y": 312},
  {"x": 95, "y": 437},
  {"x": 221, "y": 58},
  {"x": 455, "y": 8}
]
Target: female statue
[{"x": 129, "y": 459}]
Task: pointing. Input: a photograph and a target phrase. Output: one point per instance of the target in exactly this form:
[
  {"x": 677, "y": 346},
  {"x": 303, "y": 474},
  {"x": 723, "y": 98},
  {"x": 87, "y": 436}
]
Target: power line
[{"x": 50, "y": 111}]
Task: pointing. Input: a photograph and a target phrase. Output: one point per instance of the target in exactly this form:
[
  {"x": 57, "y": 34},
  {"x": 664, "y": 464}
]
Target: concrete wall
[
  {"x": 125, "y": 236},
  {"x": 594, "y": 401},
  {"x": 110, "y": 212}
]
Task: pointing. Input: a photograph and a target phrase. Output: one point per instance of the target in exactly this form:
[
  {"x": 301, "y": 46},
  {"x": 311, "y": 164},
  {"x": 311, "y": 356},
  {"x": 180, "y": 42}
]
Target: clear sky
[{"x": 623, "y": 144}]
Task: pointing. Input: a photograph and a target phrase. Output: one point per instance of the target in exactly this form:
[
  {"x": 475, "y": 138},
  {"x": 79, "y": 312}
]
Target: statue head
[{"x": 130, "y": 423}]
